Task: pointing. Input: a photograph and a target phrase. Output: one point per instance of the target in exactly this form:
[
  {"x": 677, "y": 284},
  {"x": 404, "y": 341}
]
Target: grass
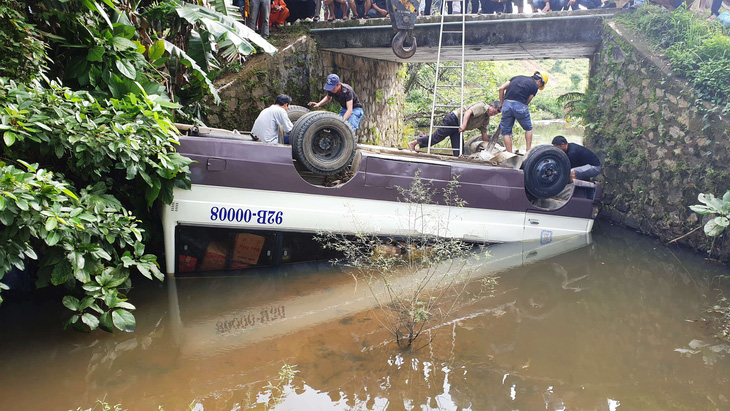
[{"x": 698, "y": 51}]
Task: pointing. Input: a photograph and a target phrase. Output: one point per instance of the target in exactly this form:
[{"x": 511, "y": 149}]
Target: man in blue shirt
[
  {"x": 583, "y": 163},
  {"x": 514, "y": 97}
]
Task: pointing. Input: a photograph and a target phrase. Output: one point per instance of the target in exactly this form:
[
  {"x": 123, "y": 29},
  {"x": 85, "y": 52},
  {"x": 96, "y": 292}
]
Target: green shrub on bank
[
  {"x": 23, "y": 53},
  {"x": 697, "y": 50},
  {"x": 127, "y": 143},
  {"x": 89, "y": 239},
  {"x": 94, "y": 161}
]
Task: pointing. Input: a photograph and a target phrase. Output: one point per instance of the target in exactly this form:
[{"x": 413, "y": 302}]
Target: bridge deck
[{"x": 564, "y": 34}]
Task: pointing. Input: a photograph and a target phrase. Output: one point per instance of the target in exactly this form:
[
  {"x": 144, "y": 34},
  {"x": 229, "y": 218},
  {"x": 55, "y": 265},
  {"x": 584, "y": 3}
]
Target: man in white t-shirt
[{"x": 266, "y": 126}]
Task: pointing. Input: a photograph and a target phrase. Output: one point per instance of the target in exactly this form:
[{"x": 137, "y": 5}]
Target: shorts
[
  {"x": 511, "y": 111},
  {"x": 355, "y": 117}
]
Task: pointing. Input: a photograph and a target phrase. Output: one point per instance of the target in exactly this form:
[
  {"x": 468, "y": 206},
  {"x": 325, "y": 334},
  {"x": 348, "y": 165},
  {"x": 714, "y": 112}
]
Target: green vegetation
[
  {"x": 276, "y": 391},
  {"x": 82, "y": 156},
  {"x": 717, "y": 207},
  {"x": 479, "y": 84},
  {"x": 416, "y": 279},
  {"x": 698, "y": 51},
  {"x": 23, "y": 52}
]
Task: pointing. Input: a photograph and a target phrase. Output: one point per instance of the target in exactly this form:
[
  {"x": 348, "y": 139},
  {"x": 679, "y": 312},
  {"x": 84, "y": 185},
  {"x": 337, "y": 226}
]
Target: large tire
[
  {"x": 296, "y": 112},
  {"x": 547, "y": 171},
  {"x": 323, "y": 142}
]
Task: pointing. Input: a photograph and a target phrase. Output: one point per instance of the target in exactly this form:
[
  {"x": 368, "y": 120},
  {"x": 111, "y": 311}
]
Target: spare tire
[
  {"x": 296, "y": 112},
  {"x": 323, "y": 142},
  {"x": 547, "y": 171}
]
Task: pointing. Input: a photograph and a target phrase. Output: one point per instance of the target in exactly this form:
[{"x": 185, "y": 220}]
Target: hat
[
  {"x": 332, "y": 81},
  {"x": 543, "y": 77}
]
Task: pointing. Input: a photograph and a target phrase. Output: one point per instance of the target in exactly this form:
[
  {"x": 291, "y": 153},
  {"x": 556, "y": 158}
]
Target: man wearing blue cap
[{"x": 344, "y": 94}]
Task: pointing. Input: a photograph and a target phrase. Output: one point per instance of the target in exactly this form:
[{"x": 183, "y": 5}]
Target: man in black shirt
[
  {"x": 583, "y": 163},
  {"x": 514, "y": 97},
  {"x": 344, "y": 94}
]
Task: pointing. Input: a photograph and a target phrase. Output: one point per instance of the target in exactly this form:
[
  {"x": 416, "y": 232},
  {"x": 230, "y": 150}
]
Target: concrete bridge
[{"x": 555, "y": 35}]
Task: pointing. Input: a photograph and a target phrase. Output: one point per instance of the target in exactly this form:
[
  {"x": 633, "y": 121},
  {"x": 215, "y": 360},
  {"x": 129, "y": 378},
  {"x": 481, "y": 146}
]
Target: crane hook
[{"x": 398, "y": 47}]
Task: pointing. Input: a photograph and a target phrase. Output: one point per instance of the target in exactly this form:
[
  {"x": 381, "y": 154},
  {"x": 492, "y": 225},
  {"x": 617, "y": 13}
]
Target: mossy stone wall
[
  {"x": 660, "y": 145},
  {"x": 300, "y": 70}
]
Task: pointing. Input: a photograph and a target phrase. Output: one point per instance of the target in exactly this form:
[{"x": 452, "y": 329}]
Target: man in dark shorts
[
  {"x": 583, "y": 163},
  {"x": 344, "y": 94},
  {"x": 476, "y": 116},
  {"x": 514, "y": 98}
]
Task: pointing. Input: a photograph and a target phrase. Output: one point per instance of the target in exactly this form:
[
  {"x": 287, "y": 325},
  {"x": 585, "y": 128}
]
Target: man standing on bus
[{"x": 514, "y": 98}]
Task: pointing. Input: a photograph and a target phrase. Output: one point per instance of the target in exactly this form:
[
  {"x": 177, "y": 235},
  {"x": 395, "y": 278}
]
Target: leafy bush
[
  {"x": 117, "y": 154},
  {"x": 23, "y": 54},
  {"x": 128, "y": 143},
  {"x": 90, "y": 239},
  {"x": 102, "y": 143},
  {"x": 716, "y": 206},
  {"x": 166, "y": 48},
  {"x": 417, "y": 279}
]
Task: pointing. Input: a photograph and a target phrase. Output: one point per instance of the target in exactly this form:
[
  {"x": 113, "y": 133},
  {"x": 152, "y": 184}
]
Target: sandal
[{"x": 315, "y": 18}]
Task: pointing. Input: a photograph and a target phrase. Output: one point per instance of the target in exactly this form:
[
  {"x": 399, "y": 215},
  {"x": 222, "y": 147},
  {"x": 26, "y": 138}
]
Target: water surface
[{"x": 608, "y": 321}]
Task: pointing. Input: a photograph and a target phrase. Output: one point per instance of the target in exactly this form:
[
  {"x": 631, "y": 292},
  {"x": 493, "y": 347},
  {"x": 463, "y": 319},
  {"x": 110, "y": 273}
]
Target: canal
[{"x": 609, "y": 321}]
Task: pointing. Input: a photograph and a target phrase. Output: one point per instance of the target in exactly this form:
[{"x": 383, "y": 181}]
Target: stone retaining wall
[
  {"x": 660, "y": 145},
  {"x": 300, "y": 70}
]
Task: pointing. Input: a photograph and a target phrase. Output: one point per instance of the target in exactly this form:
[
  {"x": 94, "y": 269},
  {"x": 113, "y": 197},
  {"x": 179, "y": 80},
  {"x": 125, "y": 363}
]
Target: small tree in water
[{"x": 418, "y": 278}]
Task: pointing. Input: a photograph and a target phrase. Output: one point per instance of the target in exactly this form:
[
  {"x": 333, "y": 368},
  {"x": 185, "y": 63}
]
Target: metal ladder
[{"x": 440, "y": 101}]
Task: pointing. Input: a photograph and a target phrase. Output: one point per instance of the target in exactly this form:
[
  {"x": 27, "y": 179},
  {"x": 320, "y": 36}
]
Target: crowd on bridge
[{"x": 261, "y": 15}]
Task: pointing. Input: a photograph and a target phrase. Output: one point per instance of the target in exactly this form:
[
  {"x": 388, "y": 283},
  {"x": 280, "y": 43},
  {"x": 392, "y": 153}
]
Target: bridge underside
[
  {"x": 556, "y": 35},
  {"x": 522, "y": 51}
]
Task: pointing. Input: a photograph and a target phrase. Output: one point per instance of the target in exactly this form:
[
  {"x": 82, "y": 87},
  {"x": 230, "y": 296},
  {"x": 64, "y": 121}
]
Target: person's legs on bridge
[
  {"x": 537, "y": 5},
  {"x": 590, "y": 4},
  {"x": 265, "y": 13},
  {"x": 427, "y": 7},
  {"x": 253, "y": 15}
]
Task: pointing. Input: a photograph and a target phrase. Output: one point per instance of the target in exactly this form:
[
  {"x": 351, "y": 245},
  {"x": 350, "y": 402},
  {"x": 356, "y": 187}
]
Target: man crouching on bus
[{"x": 266, "y": 126}]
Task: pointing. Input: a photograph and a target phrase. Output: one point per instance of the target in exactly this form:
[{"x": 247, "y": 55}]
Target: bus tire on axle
[{"x": 323, "y": 142}]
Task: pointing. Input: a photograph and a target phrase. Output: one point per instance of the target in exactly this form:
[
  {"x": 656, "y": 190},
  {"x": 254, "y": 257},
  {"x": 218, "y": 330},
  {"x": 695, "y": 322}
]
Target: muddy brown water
[{"x": 611, "y": 321}]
